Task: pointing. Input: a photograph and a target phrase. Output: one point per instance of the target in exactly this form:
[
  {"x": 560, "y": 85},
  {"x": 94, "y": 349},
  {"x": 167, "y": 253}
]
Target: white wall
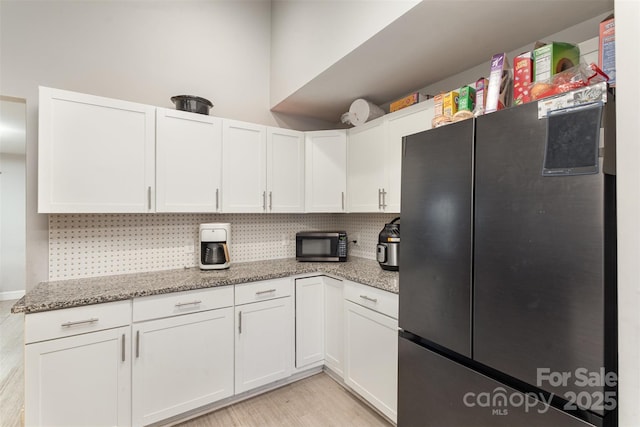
[
  {"x": 310, "y": 36},
  {"x": 628, "y": 180}
]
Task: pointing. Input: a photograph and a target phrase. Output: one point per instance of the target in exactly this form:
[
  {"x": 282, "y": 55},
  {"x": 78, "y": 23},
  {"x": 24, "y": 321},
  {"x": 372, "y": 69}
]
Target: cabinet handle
[
  {"x": 264, "y": 200},
  {"x": 270, "y": 200},
  {"x": 137, "y": 344},
  {"x": 379, "y": 200},
  {"x": 368, "y": 298},
  {"x": 123, "y": 347},
  {"x": 79, "y": 322},
  {"x": 268, "y": 291},
  {"x": 239, "y": 322},
  {"x": 181, "y": 304},
  {"x": 384, "y": 199},
  {"x": 343, "y": 200},
  {"x": 149, "y": 198},
  {"x": 217, "y": 198}
]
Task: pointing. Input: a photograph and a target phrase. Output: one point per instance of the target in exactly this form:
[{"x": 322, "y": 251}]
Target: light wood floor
[
  {"x": 313, "y": 401},
  {"x": 11, "y": 365}
]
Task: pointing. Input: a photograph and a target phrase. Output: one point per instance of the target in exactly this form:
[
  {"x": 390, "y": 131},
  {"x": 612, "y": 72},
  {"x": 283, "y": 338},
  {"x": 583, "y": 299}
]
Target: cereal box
[
  {"x": 407, "y": 101},
  {"x": 481, "y": 94},
  {"x": 450, "y": 103},
  {"x": 522, "y": 77},
  {"x": 607, "y": 49},
  {"x": 498, "y": 67},
  {"x": 553, "y": 58},
  {"x": 437, "y": 104},
  {"x": 467, "y": 98}
]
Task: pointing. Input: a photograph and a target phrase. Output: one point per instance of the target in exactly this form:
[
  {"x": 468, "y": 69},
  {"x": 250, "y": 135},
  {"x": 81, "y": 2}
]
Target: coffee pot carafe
[
  {"x": 388, "y": 249},
  {"x": 214, "y": 246}
]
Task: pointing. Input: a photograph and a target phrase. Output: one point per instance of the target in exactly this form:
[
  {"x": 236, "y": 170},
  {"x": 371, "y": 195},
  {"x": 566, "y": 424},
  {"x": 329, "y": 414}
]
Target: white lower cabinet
[
  {"x": 371, "y": 355},
  {"x": 182, "y": 352},
  {"x": 319, "y": 323},
  {"x": 76, "y": 375},
  {"x": 310, "y": 321},
  {"x": 142, "y": 362},
  {"x": 334, "y": 325},
  {"x": 264, "y": 333},
  {"x": 181, "y": 363}
]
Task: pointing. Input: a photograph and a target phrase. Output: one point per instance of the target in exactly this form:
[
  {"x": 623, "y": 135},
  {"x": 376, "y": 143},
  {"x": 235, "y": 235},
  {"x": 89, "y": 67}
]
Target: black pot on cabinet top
[{"x": 192, "y": 104}]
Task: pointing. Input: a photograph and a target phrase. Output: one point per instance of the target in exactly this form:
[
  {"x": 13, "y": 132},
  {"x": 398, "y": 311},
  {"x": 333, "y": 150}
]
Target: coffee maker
[
  {"x": 388, "y": 249},
  {"x": 214, "y": 246}
]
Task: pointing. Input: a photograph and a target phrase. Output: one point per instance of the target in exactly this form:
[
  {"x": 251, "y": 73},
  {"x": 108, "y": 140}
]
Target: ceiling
[{"x": 434, "y": 40}]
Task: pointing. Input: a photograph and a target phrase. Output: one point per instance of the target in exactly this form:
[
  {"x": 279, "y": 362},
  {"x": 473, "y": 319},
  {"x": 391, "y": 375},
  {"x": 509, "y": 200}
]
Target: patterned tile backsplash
[{"x": 86, "y": 245}]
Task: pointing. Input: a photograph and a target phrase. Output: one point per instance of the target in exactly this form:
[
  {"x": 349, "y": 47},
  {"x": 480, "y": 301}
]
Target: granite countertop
[{"x": 95, "y": 290}]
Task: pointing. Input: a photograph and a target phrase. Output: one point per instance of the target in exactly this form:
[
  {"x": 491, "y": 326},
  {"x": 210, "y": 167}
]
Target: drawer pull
[
  {"x": 268, "y": 291},
  {"x": 369, "y": 298},
  {"x": 79, "y": 322},
  {"x": 181, "y": 304}
]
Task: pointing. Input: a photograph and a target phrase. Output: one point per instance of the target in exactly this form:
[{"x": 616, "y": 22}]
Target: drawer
[
  {"x": 78, "y": 320},
  {"x": 176, "y": 303},
  {"x": 376, "y": 299},
  {"x": 263, "y": 290}
]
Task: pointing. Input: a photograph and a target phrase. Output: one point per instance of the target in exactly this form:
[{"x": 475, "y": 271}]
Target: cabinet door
[
  {"x": 244, "y": 160},
  {"x": 181, "y": 363},
  {"x": 371, "y": 356},
  {"x": 334, "y": 325},
  {"x": 325, "y": 171},
  {"x": 285, "y": 170},
  {"x": 188, "y": 161},
  {"x": 366, "y": 164},
  {"x": 264, "y": 343},
  {"x": 309, "y": 321},
  {"x": 95, "y": 155},
  {"x": 83, "y": 380},
  {"x": 399, "y": 126}
]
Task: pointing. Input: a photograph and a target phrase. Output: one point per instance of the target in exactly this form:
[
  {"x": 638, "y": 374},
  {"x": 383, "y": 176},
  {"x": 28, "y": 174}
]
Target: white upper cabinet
[
  {"x": 400, "y": 124},
  {"x": 188, "y": 161},
  {"x": 374, "y": 158},
  {"x": 325, "y": 171},
  {"x": 95, "y": 154},
  {"x": 244, "y": 161},
  {"x": 285, "y": 171},
  {"x": 366, "y": 166}
]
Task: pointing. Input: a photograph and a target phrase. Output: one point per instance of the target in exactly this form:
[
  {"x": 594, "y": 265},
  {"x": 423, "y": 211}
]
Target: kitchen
[{"x": 94, "y": 56}]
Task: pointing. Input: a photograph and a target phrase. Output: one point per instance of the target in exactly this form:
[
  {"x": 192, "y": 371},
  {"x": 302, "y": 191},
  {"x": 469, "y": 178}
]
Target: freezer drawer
[{"x": 434, "y": 391}]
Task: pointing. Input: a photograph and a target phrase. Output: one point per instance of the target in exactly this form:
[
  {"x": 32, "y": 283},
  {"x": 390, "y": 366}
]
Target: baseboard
[{"x": 11, "y": 295}]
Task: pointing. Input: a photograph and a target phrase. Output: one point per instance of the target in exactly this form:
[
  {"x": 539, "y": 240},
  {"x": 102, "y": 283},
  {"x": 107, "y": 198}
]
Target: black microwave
[{"x": 321, "y": 246}]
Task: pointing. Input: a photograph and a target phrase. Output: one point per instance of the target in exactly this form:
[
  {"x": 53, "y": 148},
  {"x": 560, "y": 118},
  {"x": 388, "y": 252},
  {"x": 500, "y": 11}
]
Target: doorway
[{"x": 12, "y": 197}]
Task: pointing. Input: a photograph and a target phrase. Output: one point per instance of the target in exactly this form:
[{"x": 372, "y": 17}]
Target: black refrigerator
[{"x": 508, "y": 280}]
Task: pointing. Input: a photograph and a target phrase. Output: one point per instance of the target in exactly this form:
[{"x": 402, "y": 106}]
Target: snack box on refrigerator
[
  {"x": 554, "y": 58},
  {"x": 481, "y": 95},
  {"x": 522, "y": 77},
  {"x": 607, "y": 49},
  {"x": 450, "y": 103},
  {"x": 498, "y": 72},
  {"x": 467, "y": 98}
]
